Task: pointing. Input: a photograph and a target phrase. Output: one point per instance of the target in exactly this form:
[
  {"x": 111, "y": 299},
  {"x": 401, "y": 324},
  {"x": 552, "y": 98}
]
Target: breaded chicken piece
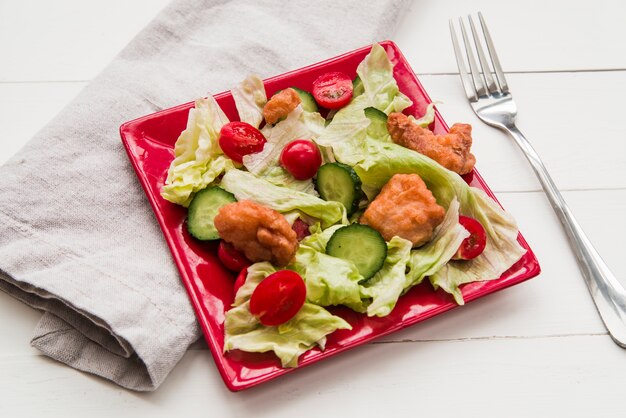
[
  {"x": 451, "y": 150},
  {"x": 280, "y": 105},
  {"x": 261, "y": 233},
  {"x": 406, "y": 208}
]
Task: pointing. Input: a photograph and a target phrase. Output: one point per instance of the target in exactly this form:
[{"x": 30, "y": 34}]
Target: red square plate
[{"x": 149, "y": 142}]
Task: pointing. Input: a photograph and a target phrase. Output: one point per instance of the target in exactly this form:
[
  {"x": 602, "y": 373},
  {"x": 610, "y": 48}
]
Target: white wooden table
[{"x": 536, "y": 349}]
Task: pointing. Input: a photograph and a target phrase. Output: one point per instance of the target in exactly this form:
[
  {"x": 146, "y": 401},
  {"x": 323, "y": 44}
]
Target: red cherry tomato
[
  {"x": 301, "y": 228},
  {"x": 240, "y": 138},
  {"x": 301, "y": 158},
  {"x": 231, "y": 258},
  {"x": 240, "y": 280},
  {"x": 332, "y": 90},
  {"x": 278, "y": 298},
  {"x": 472, "y": 246}
]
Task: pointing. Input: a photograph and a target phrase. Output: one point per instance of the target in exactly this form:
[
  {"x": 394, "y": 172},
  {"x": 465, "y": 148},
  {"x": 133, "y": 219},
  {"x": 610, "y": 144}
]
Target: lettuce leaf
[
  {"x": 245, "y": 185},
  {"x": 376, "y": 162},
  {"x": 278, "y": 176},
  {"x": 431, "y": 257},
  {"x": 250, "y": 98},
  {"x": 307, "y": 328},
  {"x": 298, "y": 124},
  {"x": 501, "y": 252},
  {"x": 329, "y": 280},
  {"x": 277, "y": 136},
  {"x": 388, "y": 283},
  {"x": 381, "y": 88},
  {"x": 198, "y": 158},
  {"x": 427, "y": 118}
]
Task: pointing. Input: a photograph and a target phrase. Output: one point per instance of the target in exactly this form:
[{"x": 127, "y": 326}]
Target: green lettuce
[
  {"x": 389, "y": 282},
  {"x": 198, "y": 158},
  {"x": 245, "y": 185},
  {"x": 381, "y": 88},
  {"x": 250, "y": 98},
  {"x": 431, "y": 257},
  {"x": 329, "y": 280},
  {"x": 501, "y": 252},
  {"x": 427, "y": 118},
  {"x": 288, "y": 341},
  {"x": 298, "y": 124},
  {"x": 376, "y": 162}
]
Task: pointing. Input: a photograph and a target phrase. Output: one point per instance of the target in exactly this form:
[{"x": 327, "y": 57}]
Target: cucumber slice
[
  {"x": 339, "y": 183},
  {"x": 308, "y": 102},
  {"x": 378, "y": 122},
  {"x": 357, "y": 87},
  {"x": 203, "y": 209},
  {"x": 362, "y": 245}
]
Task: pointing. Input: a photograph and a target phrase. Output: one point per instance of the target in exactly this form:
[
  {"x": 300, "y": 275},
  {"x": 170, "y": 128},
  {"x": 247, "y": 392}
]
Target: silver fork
[{"x": 489, "y": 96}]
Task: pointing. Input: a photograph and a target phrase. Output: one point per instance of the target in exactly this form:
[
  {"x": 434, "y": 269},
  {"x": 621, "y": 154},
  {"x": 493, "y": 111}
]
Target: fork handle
[{"x": 608, "y": 294}]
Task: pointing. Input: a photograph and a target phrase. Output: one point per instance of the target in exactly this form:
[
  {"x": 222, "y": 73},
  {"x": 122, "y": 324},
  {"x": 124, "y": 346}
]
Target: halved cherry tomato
[
  {"x": 472, "y": 246},
  {"x": 301, "y": 228},
  {"x": 231, "y": 258},
  {"x": 301, "y": 158},
  {"x": 278, "y": 298},
  {"x": 332, "y": 90},
  {"x": 240, "y": 280},
  {"x": 240, "y": 138}
]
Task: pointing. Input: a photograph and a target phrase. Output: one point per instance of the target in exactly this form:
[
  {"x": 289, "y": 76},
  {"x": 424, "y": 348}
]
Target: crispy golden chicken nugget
[
  {"x": 261, "y": 233},
  {"x": 406, "y": 208},
  {"x": 280, "y": 105},
  {"x": 451, "y": 150}
]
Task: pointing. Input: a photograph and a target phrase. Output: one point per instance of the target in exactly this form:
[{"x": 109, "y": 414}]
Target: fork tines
[{"x": 478, "y": 82}]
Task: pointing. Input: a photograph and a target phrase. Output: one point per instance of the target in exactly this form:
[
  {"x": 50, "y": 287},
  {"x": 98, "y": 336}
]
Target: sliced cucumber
[
  {"x": 361, "y": 244},
  {"x": 308, "y": 102},
  {"x": 339, "y": 183},
  {"x": 203, "y": 210},
  {"x": 357, "y": 87},
  {"x": 378, "y": 123}
]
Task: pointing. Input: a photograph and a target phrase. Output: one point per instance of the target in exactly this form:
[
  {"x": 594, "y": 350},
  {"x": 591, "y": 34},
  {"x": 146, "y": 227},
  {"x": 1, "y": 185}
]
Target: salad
[{"x": 329, "y": 195}]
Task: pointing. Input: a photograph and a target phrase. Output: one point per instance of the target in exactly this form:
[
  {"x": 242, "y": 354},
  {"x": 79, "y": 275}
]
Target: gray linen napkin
[{"x": 78, "y": 238}]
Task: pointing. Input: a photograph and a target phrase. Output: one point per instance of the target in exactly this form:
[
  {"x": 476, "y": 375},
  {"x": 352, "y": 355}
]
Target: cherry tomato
[
  {"x": 301, "y": 228},
  {"x": 232, "y": 258},
  {"x": 301, "y": 158},
  {"x": 472, "y": 246},
  {"x": 332, "y": 90},
  {"x": 240, "y": 138},
  {"x": 240, "y": 280},
  {"x": 278, "y": 298}
]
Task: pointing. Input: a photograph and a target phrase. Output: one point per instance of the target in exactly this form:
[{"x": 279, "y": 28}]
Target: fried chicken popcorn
[
  {"x": 406, "y": 208},
  {"x": 280, "y": 105},
  {"x": 261, "y": 233},
  {"x": 451, "y": 150}
]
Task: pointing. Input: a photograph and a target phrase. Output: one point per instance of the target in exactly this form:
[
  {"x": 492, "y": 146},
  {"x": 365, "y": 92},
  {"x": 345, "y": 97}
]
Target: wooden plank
[
  {"x": 74, "y": 40},
  {"x": 67, "y": 39},
  {"x": 532, "y": 35},
  {"x": 514, "y": 377}
]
